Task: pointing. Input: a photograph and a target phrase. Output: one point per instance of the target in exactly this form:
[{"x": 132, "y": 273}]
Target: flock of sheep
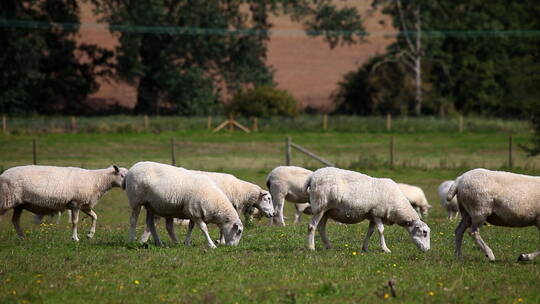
[{"x": 479, "y": 195}]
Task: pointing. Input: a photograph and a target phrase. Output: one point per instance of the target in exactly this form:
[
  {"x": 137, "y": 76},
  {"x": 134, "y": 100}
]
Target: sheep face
[
  {"x": 264, "y": 203},
  {"x": 420, "y": 234},
  {"x": 233, "y": 233},
  {"x": 119, "y": 175}
]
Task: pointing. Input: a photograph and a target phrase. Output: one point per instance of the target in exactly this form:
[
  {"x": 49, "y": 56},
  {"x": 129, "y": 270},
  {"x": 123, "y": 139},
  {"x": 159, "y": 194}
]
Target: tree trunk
[
  {"x": 418, "y": 63},
  {"x": 147, "y": 96}
]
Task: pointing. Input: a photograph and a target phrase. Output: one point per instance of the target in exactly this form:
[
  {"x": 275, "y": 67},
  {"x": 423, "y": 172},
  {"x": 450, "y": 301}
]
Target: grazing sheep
[
  {"x": 287, "y": 183},
  {"x": 173, "y": 192},
  {"x": 451, "y": 206},
  {"x": 499, "y": 198},
  {"x": 46, "y": 190},
  {"x": 416, "y": 197},
  {"x": 350, "y": 197},
  {"x": 243, "y": 195}
]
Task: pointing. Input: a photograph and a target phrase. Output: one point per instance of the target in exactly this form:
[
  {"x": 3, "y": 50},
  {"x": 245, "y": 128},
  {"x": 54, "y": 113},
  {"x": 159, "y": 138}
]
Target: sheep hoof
[
  {"x": 90, "y": 235},
  {"x": 523, "y": 258},
  {"x": 311, "y": 248}
]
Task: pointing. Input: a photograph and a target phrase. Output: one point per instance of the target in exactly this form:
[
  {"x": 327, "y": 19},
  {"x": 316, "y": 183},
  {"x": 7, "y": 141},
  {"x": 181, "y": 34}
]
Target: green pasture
[{"x": 271, "y": 264}]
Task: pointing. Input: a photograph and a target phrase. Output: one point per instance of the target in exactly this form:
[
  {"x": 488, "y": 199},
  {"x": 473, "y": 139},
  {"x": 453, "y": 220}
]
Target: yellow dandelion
[
  {"x": 386, "y": 296},
  {"x": 520, "y": 300},
  {"x": 136, "y": 282},
  {"x": 440, "y": 283},
  {"x": 193, "y": 290},
  {"x": 354, "y": 253},
  {"x": 25, "y": 302},
  {"x": 346, "y": 245},
  {"x": 39, "y": 275},
  {"x": 38, "y": 281},
  {"x": 121, "y": 287},
  {"x": 431, "y": 293},
  {"x": 394, "y": 265},
  {"x": 441, "y": 233},
  {"x": 8, "y": 280},
  {"x": 13, "y": 292}
]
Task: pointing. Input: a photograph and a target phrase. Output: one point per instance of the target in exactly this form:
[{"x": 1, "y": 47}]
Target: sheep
[
  {"x": 451, "y": 206},
  {"x": 416, "y": 197},
  {"x": 173, "y": 192},
  {"x": 350, "y": 197},
  {"x": 46, "y": 190},
  {"x": 244, "y": 197},
  {"x": 286, "y": 183},
  {"x": 299, "y": 209},
  {"x": 499, "y": 198}
]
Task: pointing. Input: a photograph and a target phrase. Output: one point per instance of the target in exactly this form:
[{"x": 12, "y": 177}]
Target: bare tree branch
[{"x": 405, "y": 31}]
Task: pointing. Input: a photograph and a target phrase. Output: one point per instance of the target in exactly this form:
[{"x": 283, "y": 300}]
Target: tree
[
  {"x": 43, "y": 69},
  {"x": 181, "y": 53}
]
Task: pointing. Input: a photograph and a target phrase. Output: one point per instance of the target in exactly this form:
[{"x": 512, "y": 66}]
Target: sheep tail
[
  {"x": 6, "y": 195},
  {"x": 453, "y": 190},
  {"x": 307, "y": 184}
]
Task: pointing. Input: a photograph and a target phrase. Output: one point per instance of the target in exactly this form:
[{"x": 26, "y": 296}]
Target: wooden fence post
[
  {"x": 34, "y": 151},
  {"x": 388, "y": 122},
  {"x": 325, "y": 121},
  {"x": 146, "y": 122},
  {"x": 288, "y": 151},
  {"x": 4, "y": 124},
  {"x": 231, "y": 126},
  {"x": 209, "y": 123},
  {"x": 73, "y": 124},
  {"x": 392, "y": 151},
  {"x": 460, "y": 123},
  {"x": 510, "y": 160},
  {"x": 255, "y": 124},
  {"x": 173, "y": 157}
]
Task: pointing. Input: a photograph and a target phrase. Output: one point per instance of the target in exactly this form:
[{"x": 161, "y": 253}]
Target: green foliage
[
  {"x": 264, "y": 101},
  {"x": 42, "y": 70}
]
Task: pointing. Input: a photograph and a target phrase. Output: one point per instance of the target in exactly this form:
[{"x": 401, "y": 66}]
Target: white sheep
[
  {"x": 299, "y": 209},
  {"x": 416, "y": 197},
  {"x": 244, "y": 197},
  {"x": 287, "y": 183},
  {"x": 173, "y": 192},
  {"x": 48, "y": 189},
  {"x": 350, "y": 197},
  {"x": 499, "y": 198},
  {"x": 451, "y": 206}
]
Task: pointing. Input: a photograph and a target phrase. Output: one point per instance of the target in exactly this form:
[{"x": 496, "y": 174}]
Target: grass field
[{"x": 270, "y": 265}]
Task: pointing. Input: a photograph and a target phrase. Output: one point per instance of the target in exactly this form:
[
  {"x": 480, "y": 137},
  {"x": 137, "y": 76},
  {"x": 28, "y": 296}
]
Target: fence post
[
  {"x": 173, "y": 158},
  {"x": 325, "y": 121},
  {"x": 392, "y": 151},
  {"x": 146, "y": 122},
  {"x": 73, "y": 124},
  {"x": 288, "y": 151},
  {"x": 4, "y": 123},
  {"x": 388, "y": 122},
  {"x": 460, "y": 123},
  {"x": 209, "y": 123},
  {"x": 255, "y": 124},
  {"x": 510, "y": 160},
  {"x": 231, "y": 126},
  {"x": 34, "y": 151}
]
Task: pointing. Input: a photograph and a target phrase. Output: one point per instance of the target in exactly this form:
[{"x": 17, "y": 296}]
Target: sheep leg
[
  {"x": 311, "y": 229},
  {"x": 297, "y": 214},
  {"x": 152, "y": 227},
  {"x": 475, "y": 234},
  {"x": 93, "y": 215},
  {"x": 278, "y": 199},
  {"x": 169, "y": 224},
  {"x": 322, "y": 231},
  {"x": 533, "y": 255},
  {"x": 380, "y": 229},
  {"x": 16, "y": 220},
  {"x": 133, "y": 222},
  {"x": 460, "y": 230},
  {"x": 187, "y": 240},
  {"x": 369, "y": 233},
  {"x": 74, "y": 223},
  {"x": 204, "y": 229},
  {"x": 146, "y": 234},
  {"x": 59, "y": 217}
]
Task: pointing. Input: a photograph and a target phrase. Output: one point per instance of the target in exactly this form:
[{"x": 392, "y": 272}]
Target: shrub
[{"x": 264, "y": 101}]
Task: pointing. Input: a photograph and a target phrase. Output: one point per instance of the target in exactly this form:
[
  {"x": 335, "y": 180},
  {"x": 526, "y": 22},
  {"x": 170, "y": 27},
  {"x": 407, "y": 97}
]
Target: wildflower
[
  {"x": 25, "y": 302},
  {"x": 79, "y": 277},
  {"x": 121, "y": 286},
  {"x": 13, "y": 292},
  {"x": 431, "y": 293},
  {"x": 136, "y": 282},
  {"x": 354, "y": 253},
  {"x": 440, "y": 284},
  {"x": 38, "y": 281},
  {"x": 346, "y": 245},
  {"x": 520, "y": 300},
  {"x": 39, "y": 275},
  {"x": 394, "y": 265},
  {"x": 386, "y": 296},
  {"x": 441, "y": 233}
]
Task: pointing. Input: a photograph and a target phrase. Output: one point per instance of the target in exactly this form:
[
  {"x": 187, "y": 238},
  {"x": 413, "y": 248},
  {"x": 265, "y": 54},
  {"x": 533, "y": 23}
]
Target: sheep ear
[
  {"x": 116, "y": 169},
  {"x": 262, "y": 194}
]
